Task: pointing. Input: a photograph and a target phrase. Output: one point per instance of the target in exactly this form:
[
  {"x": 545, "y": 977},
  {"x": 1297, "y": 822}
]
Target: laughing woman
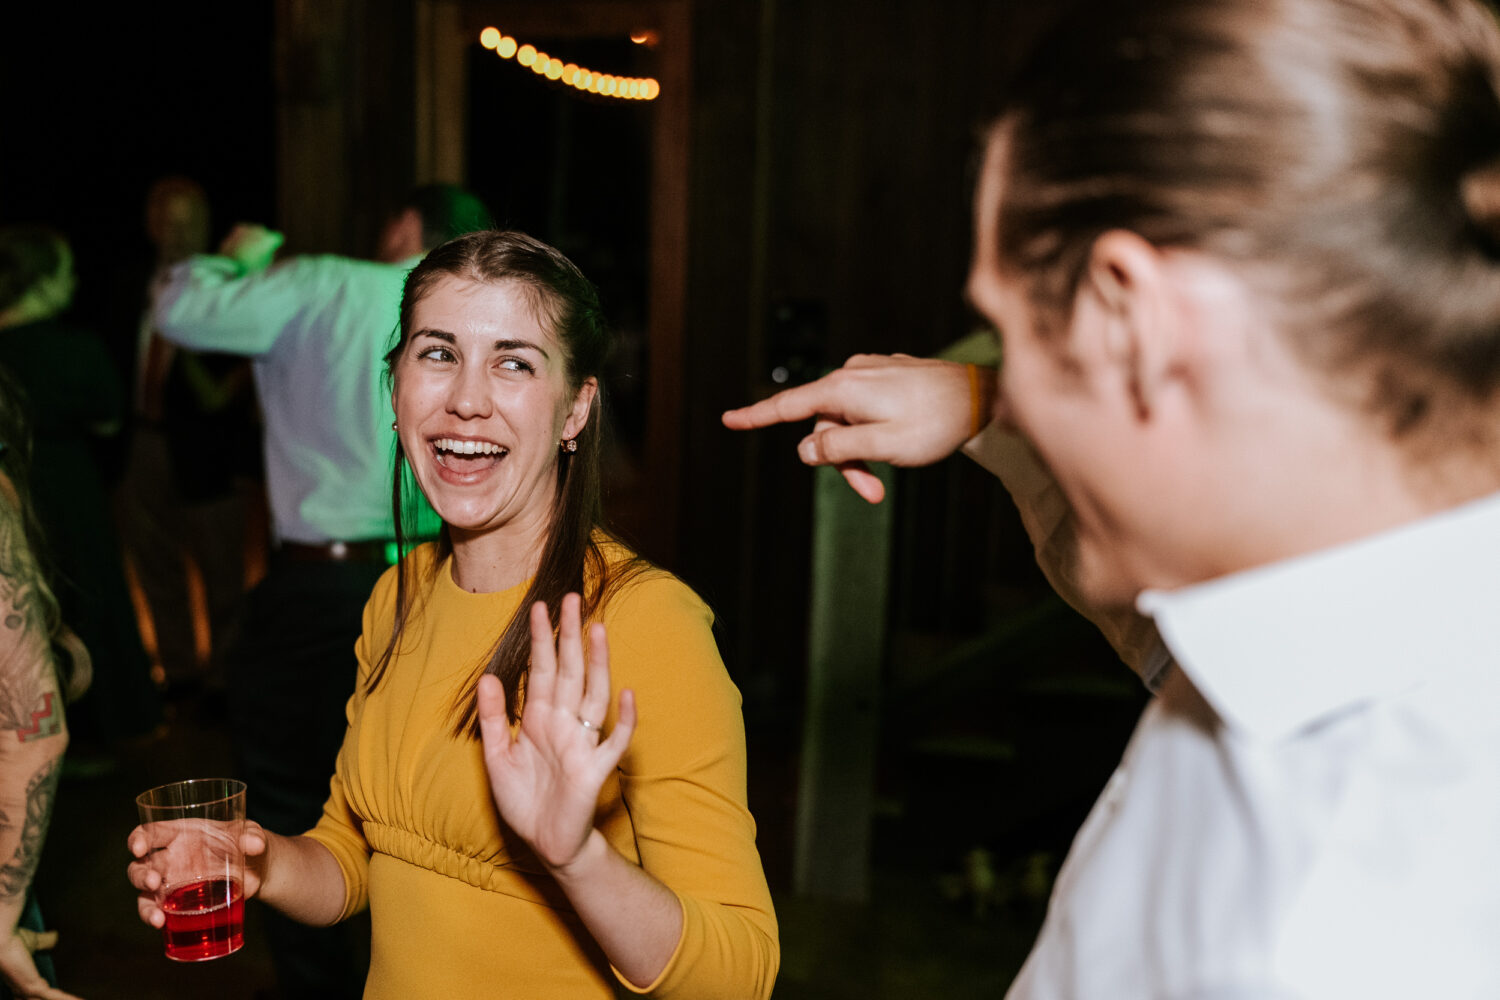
[{"x": 629, "y": 859}]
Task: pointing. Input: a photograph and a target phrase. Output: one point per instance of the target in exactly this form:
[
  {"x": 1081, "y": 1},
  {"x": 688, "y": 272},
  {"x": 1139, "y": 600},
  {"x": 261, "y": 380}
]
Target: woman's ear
[
  {"x": 578, "y": 416},
  {"x": 1131, "y": 289}
]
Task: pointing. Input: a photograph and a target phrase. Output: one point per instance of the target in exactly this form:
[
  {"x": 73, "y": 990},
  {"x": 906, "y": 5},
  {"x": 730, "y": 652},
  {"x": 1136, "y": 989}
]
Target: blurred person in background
[
  {"x": 73, "y": 395},
  {"x": 193, "y": 451}
]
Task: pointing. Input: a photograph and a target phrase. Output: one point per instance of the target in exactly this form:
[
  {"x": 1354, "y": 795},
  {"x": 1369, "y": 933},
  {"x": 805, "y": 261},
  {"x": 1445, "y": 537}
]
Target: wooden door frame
[{"x": 443, "y": 31}]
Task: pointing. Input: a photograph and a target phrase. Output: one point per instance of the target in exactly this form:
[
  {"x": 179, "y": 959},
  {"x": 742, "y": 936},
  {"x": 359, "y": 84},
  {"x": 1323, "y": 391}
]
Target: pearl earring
[{"x": 568, "y": 445}]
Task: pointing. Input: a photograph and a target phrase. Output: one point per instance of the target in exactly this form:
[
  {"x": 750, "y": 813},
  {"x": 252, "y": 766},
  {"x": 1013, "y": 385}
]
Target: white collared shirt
[
  {"x": 317, "y": 329},
  {"x": 1336, "y": 836}
]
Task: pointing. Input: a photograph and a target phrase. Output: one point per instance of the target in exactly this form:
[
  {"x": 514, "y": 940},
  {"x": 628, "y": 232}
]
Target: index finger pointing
[{"x": 797, "y": 403}]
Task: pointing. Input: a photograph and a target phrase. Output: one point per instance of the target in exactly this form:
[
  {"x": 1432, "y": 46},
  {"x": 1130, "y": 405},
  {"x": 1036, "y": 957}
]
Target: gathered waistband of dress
[{"x": 533, "y": 885}]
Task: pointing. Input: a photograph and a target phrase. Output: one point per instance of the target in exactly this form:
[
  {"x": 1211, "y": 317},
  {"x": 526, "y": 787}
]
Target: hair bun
[{"x": 1480, "y": 190}]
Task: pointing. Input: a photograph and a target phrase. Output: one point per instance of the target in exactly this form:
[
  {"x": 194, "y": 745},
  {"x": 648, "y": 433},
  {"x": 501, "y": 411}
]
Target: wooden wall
[
  {"x": 834, "y": 146},
  {"x": 344, "y": 77}
]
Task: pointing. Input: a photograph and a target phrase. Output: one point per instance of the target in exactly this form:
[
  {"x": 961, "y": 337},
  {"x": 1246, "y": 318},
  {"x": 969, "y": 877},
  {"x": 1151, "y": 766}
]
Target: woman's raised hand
[{"x": 546, "y": 776}]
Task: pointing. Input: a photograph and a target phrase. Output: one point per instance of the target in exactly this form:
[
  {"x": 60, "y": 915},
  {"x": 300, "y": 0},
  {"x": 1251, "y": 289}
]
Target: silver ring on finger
[{"x": 586, "y": 724}]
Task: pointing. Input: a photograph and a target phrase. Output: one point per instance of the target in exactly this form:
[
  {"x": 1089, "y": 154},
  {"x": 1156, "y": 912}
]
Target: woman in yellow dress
[{"x": 573, "y": 865}]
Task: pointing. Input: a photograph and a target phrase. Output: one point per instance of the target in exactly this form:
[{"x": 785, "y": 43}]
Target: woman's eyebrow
[{"x": 521, "y": 345}]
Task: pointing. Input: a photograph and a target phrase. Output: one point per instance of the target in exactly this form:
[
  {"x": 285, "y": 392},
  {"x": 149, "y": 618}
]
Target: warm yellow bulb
[
  {"x": 489, "y": 37},
  {"x": 569, "y": 73},
  {"x": 652, "y": 88},
  {"x": 526, "y": 55},
  {"x": 554, "y": 70},
  {"x": 594, "y": 85},
  {"x": 506, "y": 47}
]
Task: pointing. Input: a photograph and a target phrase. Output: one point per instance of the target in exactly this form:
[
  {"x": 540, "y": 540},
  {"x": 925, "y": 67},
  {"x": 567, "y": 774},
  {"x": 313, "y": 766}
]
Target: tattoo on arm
[
  {"x": 41, "y": 791},
  {"x": 27, "y": 703}
]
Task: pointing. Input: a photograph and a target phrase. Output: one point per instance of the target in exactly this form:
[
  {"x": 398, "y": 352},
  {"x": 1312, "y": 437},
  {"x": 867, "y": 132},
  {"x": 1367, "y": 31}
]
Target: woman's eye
[
  {"x": 435, "y": 354},
  {"x": 516, "y": 365}
]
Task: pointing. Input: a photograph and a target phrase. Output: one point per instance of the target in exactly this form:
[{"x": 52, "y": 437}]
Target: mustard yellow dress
[{"x": 460, "y": 906}]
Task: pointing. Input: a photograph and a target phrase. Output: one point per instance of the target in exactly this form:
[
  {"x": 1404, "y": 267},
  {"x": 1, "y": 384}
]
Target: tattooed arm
[{"x": 32, "y": 739}]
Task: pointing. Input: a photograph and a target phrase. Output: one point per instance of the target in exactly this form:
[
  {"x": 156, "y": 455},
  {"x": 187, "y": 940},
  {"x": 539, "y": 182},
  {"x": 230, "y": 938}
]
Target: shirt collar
[{"x": 1279, "y": 647}]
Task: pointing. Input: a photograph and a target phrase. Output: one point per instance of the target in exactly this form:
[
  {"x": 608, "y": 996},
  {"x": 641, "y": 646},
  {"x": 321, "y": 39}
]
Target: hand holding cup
[{"x": 190, "y": 866}]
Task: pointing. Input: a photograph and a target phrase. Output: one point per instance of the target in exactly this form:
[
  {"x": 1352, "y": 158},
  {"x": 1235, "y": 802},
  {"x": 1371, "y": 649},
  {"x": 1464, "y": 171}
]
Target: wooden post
[{"x": 846, "y": 656}]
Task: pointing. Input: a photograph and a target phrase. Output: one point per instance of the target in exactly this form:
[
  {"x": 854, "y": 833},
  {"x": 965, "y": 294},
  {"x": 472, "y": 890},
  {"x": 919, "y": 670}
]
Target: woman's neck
[{"x": 485, "y": 562}]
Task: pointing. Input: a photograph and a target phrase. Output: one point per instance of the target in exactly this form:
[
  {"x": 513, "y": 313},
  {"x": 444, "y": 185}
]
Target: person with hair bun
[
  {"x": 1244, "y": 259},
  {"x": 510, "y": 827}
]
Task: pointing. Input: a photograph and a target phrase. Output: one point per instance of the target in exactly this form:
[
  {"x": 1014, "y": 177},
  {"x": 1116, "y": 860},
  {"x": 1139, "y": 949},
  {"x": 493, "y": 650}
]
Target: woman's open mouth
[{"x": 467, "y": 457}]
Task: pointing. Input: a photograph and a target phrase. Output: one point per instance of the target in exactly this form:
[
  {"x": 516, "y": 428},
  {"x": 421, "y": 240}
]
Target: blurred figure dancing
[{"x": 192, "y": 439}]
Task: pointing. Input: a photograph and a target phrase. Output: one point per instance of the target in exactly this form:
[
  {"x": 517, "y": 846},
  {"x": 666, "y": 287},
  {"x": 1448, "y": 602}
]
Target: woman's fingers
[
  {"x": 150, "y": 913},
  {"x": 613, "y": 748},
  {"x": 143, "y": 876},
  {"x": 150, "y": 837},
  {"x": 494, "y": 726},
  {"x": 595, "y": 704},
  {"x": 541, "y": 678},
  {"x": 567, "y": 693}
]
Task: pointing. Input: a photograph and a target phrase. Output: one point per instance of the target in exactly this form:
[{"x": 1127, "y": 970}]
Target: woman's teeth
[{"x": 469, "y": 447}]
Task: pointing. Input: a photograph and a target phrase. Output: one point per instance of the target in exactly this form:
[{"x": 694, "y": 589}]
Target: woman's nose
[{"x": 468, "y": 395}]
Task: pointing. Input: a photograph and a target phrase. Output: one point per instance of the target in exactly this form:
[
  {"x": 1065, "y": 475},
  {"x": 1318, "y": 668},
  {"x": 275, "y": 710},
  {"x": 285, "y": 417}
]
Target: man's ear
[
  {"x": 578, "y": 416},
  {"x": 1130, "y": 285}
]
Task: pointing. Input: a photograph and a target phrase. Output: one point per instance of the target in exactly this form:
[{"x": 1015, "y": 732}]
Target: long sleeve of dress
[
  {"x": 340, "y": 829},
  {"x": 683, "y": 781}
]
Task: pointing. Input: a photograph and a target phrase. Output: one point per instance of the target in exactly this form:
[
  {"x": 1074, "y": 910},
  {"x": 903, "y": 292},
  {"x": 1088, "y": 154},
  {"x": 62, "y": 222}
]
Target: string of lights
[{"x": 627, "y": 88}]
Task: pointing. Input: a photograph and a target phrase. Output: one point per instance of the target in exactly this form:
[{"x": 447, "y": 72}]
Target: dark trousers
[{"x": 290, "y": 676}]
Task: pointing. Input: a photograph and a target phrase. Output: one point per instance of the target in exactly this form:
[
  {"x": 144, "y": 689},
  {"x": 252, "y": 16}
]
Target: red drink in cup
[
  {"x": 193, "y": 829},
  {"x": 205, "y": 919}
]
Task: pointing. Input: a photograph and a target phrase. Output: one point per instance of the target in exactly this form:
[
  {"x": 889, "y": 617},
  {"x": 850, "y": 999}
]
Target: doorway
[{"x": 601, "y": 178}]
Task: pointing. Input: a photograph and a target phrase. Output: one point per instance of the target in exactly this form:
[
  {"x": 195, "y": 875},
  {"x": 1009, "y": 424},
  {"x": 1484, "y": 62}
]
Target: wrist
[
  {"x": 982, "y": 389},
  {"x": 264, "y": 867},
  {"x": 590, "y": 856}
]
